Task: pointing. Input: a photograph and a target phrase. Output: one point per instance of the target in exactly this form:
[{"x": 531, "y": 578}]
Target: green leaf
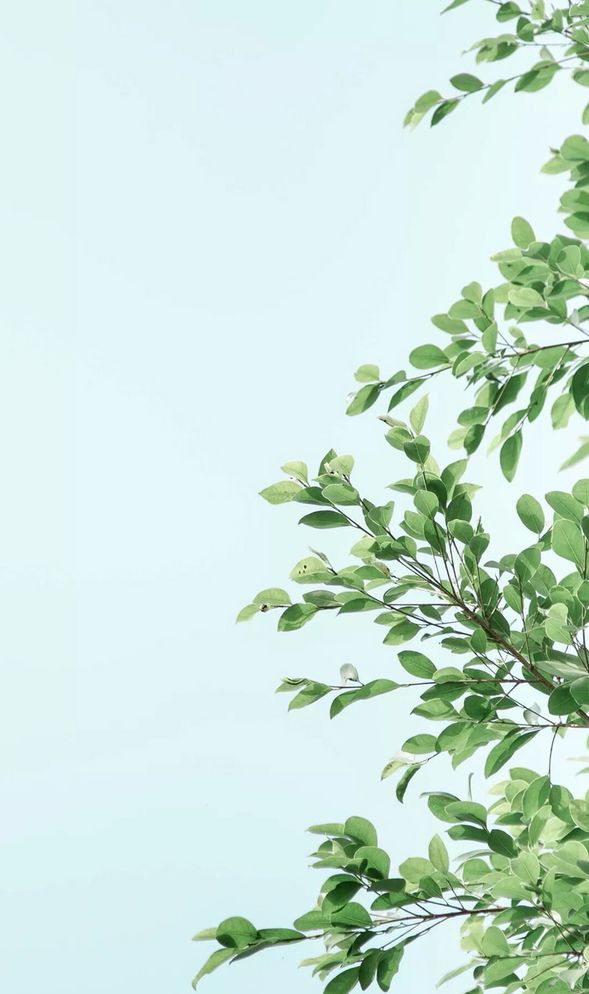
[
  {"x": 236, "y": 933},
  {"x": 427, "y": 357},
  {"x": 525, "y": 297},
  {"x": 489, "y": 338},
  {"x": 443, "y": 109},
  {"x": 375, "y": 861},
  {"x": 504, "y": 750},
  {"x": 248, "y": 612},
  {"x": 311, "y": 569},
  {"x": 297, "y": 469},
  {"x": 527, "y": 867},
  {"x": 535, "y": 796},
  {"x": 352, "y": 915},
  {"x": 426, "y": 502},
  {"x": 473, "y": 438},
  {"x": 388, "y": 966},
  {"x": 367, "y": 373},
  {"x": 580, "y": 814},
  {"x": 579, "y": 224},
  {"x": 418, "y": 414},
  {"x": 522, "y": 232},
  {"x": 340, "y": 464},
  {"x": 466, "y": 811},
  {"x": 272, "y": 597},
  {"x": 215, "y": 959},
  {"x": 324, "y": 519},
  {"x": 361, "y": 830},
  {"x": 295, "y": 617},
  {"x": 344, "y": 982},
  {"x": 374, "y": 688},
  {"x": 392, "y": 766},
  {"x": 405, "y": 780},
  {"x": 580, "y": 390},
  {"x": 561, "y": 411},
  {"x": 580, "y": 691},
  {"x": 568, "y": 542},
  {"x": 502, "y": 843},
  {"x": 565, "y": 505},
  {"x": 466, "y": 82},
  {"x": 581, "y": 492},
  {"x": 575, "y": 149},
  {"x": 561, "y": 701},
  {"x": 478, "y": 641},
  {"x": 312, "y": 920},
  {"x": 555, "y": 165},
  {"x": 364, "y": 399},
  {"x": 278, "y": 936},
  {"x": 438, "y": 855},
  {"x": 420, "y": 744},
  {"x": 500, "y": 969},
  {"x": 416, "y": 664},
  {"x": 427, "y": 100},
  {"x": 417, "y": 449},
  {"x": 530, "y": 513},
  {"x": 341, "y": 493},
  {"x": 403, "y": 392},
  {"x": 581, "y": 453},
  {"x": 509, "y": 455},
  {"x": 206, "y": 935},
  {"x": 310, "y": 693},
  {"x": 537, "y": 78},
  {"x": 494, "y": 89},
  {"x": 454, "y": 973},
  {"x": 415, "y": 869},
  {"x": 494, "y": 942},
  {"x": 339, "y": 895},
  {"x": 401, "y": 631},
  {"x": 327, "y": 828}
]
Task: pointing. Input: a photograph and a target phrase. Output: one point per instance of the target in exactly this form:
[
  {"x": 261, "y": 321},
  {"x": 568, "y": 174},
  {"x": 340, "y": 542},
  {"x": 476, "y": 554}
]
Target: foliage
[
  {"x": 558, "y": 34},
  {"x": 515, "y": 628}
]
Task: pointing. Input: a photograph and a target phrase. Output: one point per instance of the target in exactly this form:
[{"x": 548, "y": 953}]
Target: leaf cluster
[{"x": 488, "y": 650}]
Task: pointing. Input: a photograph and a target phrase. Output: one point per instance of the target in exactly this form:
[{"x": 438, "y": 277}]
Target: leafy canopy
[{"x": 490, "y": 654}]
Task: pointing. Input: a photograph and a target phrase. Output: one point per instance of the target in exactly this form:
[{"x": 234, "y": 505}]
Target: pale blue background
[{"x": 210, "y": 216}]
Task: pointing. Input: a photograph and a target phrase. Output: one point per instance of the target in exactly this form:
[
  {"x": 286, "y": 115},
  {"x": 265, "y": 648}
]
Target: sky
[{"x": 211, "y": 216}]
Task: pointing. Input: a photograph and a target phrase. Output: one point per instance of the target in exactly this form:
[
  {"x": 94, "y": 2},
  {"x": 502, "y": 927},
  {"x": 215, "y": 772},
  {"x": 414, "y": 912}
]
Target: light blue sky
[{"x": 210, "y": 217}]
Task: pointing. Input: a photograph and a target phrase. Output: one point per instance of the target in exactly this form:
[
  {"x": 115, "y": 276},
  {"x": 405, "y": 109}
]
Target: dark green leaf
[
  {"x": 364, "y": 399},
  {"x": 236, "y": 933},
  {"x": 580, "y": 390},
  {"x": 324, "y": 519},
  {"x": 504, "y": 750},
  {"x": 388, "y": 966},
  {"x": 405, "y": 780},
  {"x": 215, "y": 959},
  {"x": 343, "y": 983}
]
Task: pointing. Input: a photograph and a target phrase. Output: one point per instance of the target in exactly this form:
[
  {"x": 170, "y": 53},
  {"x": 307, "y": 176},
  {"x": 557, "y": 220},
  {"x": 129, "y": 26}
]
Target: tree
[{"x": 513, "y": 630}]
